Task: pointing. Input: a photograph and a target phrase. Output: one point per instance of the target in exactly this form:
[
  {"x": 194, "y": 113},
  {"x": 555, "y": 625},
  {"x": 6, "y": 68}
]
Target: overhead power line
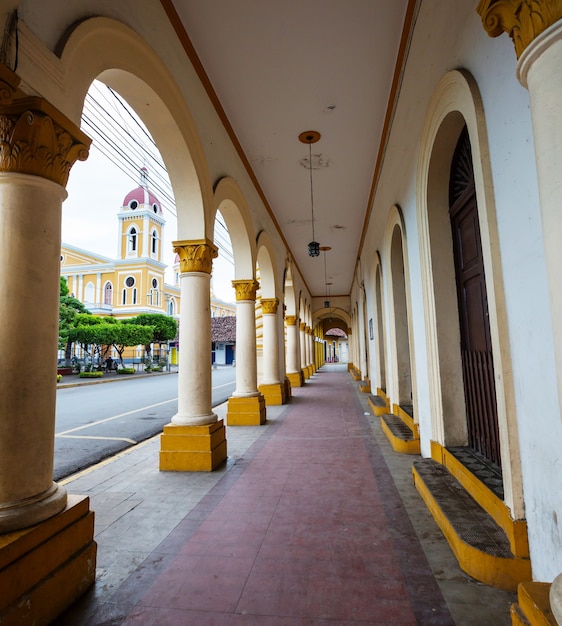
[{"x": 119, "y": 135}]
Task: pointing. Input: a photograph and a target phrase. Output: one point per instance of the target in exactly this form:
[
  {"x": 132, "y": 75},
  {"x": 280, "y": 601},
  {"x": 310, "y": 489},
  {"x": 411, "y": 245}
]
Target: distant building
[
  {"x": 223, "y": 337},
  {"x": 133, "y": 283}
]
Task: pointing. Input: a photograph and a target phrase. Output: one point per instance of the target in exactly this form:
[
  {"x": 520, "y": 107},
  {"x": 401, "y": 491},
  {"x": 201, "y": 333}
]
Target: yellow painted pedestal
[
  {"x": 246, "y": 411},
  {"x": 45, "y": 568},
  {"x": 193, "y": 448},
  {"x": 296, "y": 379},
  {"x": 273, "y": 394}
]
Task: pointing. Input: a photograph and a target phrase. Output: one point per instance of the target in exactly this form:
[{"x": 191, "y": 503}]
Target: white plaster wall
[{"x": 447, "y": 36}]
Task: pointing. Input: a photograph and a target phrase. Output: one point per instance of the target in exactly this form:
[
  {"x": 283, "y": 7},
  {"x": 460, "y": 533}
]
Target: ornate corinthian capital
[
  {"x": 269, "y": 306},
  {"x": 522, "y": 20},
  {"x": 302, "y": 326},
  {"x": 245, "y": 289},
  {"x": 195, "y": 256},
  {"x": 35, "y": 138},
  {"x": 291, "y": 320}
]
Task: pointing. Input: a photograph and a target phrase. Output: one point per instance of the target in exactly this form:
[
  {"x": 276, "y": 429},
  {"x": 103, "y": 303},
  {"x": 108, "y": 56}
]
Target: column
[
  {"x": 302, "y": 342},
  {"x": 311, "y": 359},
  {"x": 272, "y": 389},
  {"x": 39, "y": 147},
  {"x": 195, "y": 440},
  {"x": 246, "y": 406},
  {"x": 294, "y": 372},
  {"x": 536, "y": 30}
]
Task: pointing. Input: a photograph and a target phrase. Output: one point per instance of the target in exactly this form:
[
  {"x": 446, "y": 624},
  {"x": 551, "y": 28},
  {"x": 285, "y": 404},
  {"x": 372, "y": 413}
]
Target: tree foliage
[
  {"x": 96, "y": 335},
  {"x": 69, "y": 309},
  {"x": 165, "y": 327}
]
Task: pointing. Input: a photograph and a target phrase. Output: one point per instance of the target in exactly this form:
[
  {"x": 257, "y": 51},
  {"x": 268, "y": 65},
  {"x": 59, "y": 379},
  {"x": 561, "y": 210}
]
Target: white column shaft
[
  {"x": 30, "y": 221},
  {"x": 540, "y": 67},
  {"x": 246, "y": 365},
  {"x": 292, "y": 349},
  {"x": 303, "y": 349},
  {"x": 270, "y": 349},
  {"x": 194, "y": 374}
]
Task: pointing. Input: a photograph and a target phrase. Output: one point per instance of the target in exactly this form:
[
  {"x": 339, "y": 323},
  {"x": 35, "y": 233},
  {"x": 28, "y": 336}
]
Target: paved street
[{"x": 95, "y": 421}]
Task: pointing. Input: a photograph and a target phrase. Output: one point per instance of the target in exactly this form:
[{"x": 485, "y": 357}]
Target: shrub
[
  {"x": 126, "y": 370},
  {"x": 59, "y": 378},
  {"x": 90, "y": 374}
]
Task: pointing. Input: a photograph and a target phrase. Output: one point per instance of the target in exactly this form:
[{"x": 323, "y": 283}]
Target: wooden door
[{"x": 476, "y": 346}]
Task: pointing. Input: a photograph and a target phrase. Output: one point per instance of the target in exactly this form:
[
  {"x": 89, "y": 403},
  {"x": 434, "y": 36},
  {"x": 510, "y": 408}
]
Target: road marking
[
  {"x": 225, "y": 385},
  {"x": 114, "y": 417},
  {"x": 131, "y": 441}
]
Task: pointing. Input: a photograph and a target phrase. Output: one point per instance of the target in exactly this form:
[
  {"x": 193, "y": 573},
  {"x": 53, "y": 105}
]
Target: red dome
[{"x": 142, "y": 196}]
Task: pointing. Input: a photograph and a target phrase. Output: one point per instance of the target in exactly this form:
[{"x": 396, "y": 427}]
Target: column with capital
[
  {"x": 39, "y": 147},
  {"x": 246, "y": 406},
  {"x": 272, "y": 388},
  {"x": 292, "y": 354},
  {"x": 303, "y": 344},
  {"x": 195, "y": 440},
  {"x": 311, "y": 356},
  {"x": 536, "y": 30}
]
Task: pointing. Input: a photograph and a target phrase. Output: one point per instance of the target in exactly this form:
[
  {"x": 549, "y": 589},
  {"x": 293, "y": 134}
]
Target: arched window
[
  {"x": 89, "y": 293},
  {"x": 108, "y": 294},
  {"x": 154, "y": 293},
  {"x": 154, "y": 243},
  {"x": 135, "y": 295},
  {"x": 132, "y": 241},
  {"x": 171, "y": 308},
  {"x": 124, "y": 298}
]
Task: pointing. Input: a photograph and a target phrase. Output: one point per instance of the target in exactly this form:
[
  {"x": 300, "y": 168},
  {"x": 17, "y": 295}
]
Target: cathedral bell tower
[{"x": 140, "y": 269}]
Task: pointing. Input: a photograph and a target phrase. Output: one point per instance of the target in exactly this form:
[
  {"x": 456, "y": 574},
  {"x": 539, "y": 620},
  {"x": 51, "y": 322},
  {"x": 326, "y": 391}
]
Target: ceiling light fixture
[{"x": 310, "y": 137}]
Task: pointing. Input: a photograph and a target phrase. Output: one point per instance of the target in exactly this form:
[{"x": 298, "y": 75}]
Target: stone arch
[
  {"x": 456, "y": 102},
  {"x": 290, "y": 299},
  {"x": 267, "y": 265},
  {"x": 402, "y": 382},
  {"x": 378, "y": 354},
  {"x": 104, "y": 49},
  {"x": 232, "y": 205}
]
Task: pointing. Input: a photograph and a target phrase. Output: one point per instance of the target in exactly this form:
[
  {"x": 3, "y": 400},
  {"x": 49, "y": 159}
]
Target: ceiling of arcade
[
  {"x": 277, "y": 70},
  {"x": 288, "y": 67}
]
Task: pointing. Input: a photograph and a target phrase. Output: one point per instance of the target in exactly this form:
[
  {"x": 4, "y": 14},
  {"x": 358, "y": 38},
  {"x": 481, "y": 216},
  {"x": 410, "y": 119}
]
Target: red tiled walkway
[{"x": 307, "y": 529}]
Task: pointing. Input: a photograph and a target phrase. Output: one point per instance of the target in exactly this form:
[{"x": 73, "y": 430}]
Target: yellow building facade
[{"x": 134, "y": 282}]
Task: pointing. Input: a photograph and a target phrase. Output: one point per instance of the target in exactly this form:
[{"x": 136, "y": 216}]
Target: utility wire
[{"x": 121, "y": 138}]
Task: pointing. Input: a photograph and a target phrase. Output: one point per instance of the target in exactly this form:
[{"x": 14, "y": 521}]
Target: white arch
[
  {"x": 230, "y": 201},
  {"x": 268, "y": 266},
  {"x": 455, "y": 102},
  {"x": 108, "y": 50},
  {"x": 395, "y": 228}
]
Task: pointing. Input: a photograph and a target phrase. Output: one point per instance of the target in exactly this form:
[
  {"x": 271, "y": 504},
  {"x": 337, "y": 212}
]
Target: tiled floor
[{"x": 304, "y": 525}]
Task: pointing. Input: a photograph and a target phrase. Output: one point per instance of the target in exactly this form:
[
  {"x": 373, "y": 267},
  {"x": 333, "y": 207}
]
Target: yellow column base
[
  {"x": 274, "y": 394},
  {"x": 296, "y": 379},
  {"x": 306, "y": 373},
  {"x": 246, "y": 411},
  {"x": 44, "y": 569},
  {"x": 193, "y": 448}
]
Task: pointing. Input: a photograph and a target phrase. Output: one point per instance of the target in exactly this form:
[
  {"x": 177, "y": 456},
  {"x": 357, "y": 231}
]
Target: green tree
[
  {"x": 165, "y": 328},
  {"x": 97, "y": 334},
  {"x": 69, "y": 308}
]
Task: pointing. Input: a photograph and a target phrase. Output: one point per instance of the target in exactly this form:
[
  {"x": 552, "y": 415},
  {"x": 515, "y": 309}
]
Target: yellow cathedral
[{"x": 134, "y": 283}]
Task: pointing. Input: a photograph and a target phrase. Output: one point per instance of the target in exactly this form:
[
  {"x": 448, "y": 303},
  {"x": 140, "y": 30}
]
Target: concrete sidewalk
[{"x": 312, "y": 520}]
